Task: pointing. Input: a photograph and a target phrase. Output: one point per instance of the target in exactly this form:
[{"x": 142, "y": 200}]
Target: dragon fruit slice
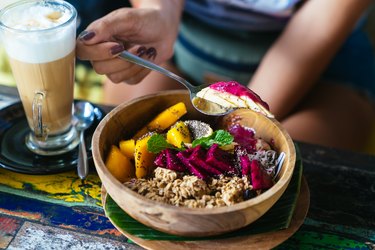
[
  {"x": 161, "y": 159},
  {"x": 220, "y": 159},
  {"x": 184, "y": 157},
  {"x": 168, "y": 159},
  {"x": 198, "y": 158},
  {"x": 252, "y": 168},
  {"x": 245, "y": 165},
  {"x": 244, "y": 136},
  {"x": 259, "y": 178},
  {"x": 173, "y": 163}
]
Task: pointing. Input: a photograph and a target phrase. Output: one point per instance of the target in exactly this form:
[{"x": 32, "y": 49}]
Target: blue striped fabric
[
  {"x": 243, "y": 67},
  {"x": 243, "y": 14}
]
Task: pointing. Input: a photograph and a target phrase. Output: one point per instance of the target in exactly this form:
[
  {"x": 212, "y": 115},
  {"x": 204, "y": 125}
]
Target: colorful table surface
[{"x": 61, "y": 211}]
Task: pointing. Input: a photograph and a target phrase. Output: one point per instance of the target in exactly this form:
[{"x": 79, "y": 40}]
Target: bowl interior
[{"x": 125, "y": 119}]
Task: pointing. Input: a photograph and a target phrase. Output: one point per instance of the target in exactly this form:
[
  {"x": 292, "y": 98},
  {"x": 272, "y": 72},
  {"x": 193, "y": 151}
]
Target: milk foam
[{"x": 36, "y": 36}]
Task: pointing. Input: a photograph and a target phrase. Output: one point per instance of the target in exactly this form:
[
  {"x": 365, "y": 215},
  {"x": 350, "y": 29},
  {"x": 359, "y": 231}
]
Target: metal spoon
[
  {"x": 279, "y": 164},
  {"x": 84, "y": 113},
  {"x": 203, "y": 105}
]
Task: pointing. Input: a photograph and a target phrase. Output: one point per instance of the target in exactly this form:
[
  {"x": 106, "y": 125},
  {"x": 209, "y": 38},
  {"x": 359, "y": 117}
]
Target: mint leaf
[
  {"x": 220, "y": 137},
  {"x": 158, "y": 143}
]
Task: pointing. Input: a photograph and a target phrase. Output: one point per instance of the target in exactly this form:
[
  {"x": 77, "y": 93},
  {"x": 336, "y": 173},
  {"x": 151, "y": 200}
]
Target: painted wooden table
[{"x": 60, "y": 211}]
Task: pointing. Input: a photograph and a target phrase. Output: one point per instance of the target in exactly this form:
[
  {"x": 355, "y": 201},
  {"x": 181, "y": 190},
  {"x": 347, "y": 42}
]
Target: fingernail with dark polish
[
  {"x": 151, "y": 53},
  {"x": 117, "y": 49},
  {"x": 141, "y": 51},
  {"x": 86, "y": 35}
]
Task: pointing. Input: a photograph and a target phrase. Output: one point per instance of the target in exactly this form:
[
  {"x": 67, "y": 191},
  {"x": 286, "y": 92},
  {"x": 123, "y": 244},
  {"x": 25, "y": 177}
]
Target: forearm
[{"x": 296, "y": 60}]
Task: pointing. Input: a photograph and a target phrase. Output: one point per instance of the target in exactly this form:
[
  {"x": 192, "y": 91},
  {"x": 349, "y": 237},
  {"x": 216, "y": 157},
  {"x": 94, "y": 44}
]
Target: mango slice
[
  {"x": 163, "y": 120},
  {"x": 178, "y": 134},
  {"x": 144, "y": 160},
  {"x": 119, "y": 165},
  {"x": 127, "y": 147}
]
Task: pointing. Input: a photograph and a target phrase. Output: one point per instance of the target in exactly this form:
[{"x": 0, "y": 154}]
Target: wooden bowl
[{"x": 124, "y": 120}]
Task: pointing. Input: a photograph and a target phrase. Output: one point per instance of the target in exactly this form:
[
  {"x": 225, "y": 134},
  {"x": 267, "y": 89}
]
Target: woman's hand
[{"x": 146, "y": 32}]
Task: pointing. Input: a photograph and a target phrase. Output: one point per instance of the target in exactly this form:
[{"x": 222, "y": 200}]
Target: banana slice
[
  {"x": 234, "y": 95},
  {"x": 216, "y": 97}
]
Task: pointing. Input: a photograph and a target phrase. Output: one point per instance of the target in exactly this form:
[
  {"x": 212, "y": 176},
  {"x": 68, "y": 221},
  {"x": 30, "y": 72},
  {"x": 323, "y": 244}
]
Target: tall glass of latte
[{"x": 39, "y": 39}]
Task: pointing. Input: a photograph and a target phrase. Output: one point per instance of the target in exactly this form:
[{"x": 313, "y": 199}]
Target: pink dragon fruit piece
[
  {"x": 243, "y": 136},
  {"x": 161, "y": 160},
  {"x": 168, "y": 159},
  {"x": 198, "y": 158},
  {"x": 259, "y": 178},
  {"x": 220, "y": 159},
  {"x": 184, "y": 157},
  {"x": 245, "y": 165},
  {"x": 173, "y": 163}
]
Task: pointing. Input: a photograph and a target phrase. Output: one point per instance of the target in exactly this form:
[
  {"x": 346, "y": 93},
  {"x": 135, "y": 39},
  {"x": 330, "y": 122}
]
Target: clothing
[
  {"x": 206, "y": 51},
  {"x": 243, "y": 14},
  {"x": 354, "y": 64}
]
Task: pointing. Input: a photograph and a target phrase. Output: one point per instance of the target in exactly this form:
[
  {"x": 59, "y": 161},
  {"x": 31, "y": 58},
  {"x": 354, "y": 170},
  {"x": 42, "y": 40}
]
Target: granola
[{"x": 178, "y": 189}]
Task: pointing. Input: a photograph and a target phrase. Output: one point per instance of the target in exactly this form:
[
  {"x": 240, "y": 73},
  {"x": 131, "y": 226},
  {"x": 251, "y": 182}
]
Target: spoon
[
  {"x": 202, "y": 105},
  {"x": 84, "y": 113},
  {"x": 279, "y": 164}
]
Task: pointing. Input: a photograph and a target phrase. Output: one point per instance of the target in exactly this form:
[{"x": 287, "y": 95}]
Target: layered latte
[
  {"x": 35, "y": 70},
  {"x": 39, "y": 38}
]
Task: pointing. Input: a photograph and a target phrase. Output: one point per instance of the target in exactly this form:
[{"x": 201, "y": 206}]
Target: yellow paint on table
[{"x": 65, "y": 187}]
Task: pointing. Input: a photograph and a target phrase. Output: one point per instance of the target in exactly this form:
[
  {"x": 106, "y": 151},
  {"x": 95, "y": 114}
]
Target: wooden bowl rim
[{"x": 99, "y": 163}]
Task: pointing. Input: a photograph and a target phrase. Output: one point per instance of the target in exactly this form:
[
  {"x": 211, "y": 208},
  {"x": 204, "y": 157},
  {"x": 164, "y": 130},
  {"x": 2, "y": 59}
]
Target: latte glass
[{"x": 39, "y": 39}]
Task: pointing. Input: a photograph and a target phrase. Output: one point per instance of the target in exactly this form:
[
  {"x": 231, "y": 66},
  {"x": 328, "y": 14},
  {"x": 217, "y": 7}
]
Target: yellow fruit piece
[
  {"x": 178, "y": 134},
  {"x": 144, "y": 160},
  {"x": 119, "y": 165},
  {"x": 127, "y": 147},
  {"x": 163, "y": 120}
]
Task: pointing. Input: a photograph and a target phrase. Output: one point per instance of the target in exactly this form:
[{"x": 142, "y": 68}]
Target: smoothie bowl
[{"x": 184, "y": 173}]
